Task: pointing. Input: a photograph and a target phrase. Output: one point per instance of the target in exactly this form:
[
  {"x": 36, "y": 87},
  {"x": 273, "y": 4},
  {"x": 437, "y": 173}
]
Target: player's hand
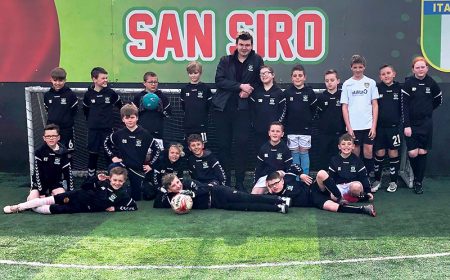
[
  {"x": 110, "y": 209},
  {"x": 146, "y": 168},
  {"x": 370, "y": 196},
  {"x": 350, "y": 131},
  {"x": 244, "y": 94},
  {"x": 187, "y": 192},
  {"x": 247, "y": 88},
  {"x": 306, "y": 179},
  {"x": 116, "y": 159},
  {"x": 408, "y": 131},
  {"x": 372, "y": 133},
  {"x": 102, "y": 177},
  {"x": 282, "y": 173}
]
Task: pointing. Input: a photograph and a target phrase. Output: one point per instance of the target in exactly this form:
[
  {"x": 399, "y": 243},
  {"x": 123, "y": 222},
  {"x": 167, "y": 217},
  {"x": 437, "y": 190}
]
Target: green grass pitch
[{"x": 403, "y": 242}]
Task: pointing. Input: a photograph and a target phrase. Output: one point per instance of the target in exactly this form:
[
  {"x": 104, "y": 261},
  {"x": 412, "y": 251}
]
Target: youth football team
[{"x": 352, "y": 120}]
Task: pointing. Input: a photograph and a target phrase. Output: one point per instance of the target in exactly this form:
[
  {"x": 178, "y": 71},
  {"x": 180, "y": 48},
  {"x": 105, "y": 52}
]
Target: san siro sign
[{"x": 279, "y": 35}]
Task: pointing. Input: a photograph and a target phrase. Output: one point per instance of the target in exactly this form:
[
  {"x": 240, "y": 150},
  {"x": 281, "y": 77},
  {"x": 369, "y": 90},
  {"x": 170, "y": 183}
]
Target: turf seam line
[{"x": 229, "y": 266}]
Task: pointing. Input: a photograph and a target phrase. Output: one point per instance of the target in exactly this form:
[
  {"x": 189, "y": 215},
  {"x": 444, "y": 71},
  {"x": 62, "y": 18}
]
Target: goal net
[{"x": 173, "y": 129}]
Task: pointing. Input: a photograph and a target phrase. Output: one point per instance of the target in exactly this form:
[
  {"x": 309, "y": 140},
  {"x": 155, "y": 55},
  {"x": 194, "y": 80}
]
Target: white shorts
[
  {"x": 296, "y": 141},
  {"x": 261, "y": 183}
]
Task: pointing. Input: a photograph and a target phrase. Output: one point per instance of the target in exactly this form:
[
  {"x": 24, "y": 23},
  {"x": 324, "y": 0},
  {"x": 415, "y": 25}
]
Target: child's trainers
[
  {"x": 283, "y": 208},
  {"x": 9, "y": 209},
  {"x": 375, "y": 186},
  {"x": 392, "y": 187},
  {"x": 286, "y": 200},
  {"x": 369, "y": 210}
]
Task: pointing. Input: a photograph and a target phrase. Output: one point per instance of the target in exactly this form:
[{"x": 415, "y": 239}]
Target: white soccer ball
[{"x": 181, "y": 203}]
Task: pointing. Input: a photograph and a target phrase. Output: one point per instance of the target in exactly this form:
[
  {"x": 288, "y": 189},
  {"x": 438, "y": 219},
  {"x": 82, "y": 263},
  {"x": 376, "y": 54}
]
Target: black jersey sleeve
[
  {"x": 67, "y": 175},
  {"x": 166, "y": 106},
  {"x": 221, "y": 79},
  {"x": 218, "y": 171},
  {"x": 405, "y": 97},
  {"x": 437, "y": 95},
  {"x": 110, "y": 147},
  {"x": 86, "y": 105},
  {"x": 153, "y": 153},
  {"x": 282, "y": 107}
]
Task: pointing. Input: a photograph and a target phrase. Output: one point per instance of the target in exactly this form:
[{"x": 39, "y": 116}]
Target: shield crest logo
[{"x": 435, "y": 33}]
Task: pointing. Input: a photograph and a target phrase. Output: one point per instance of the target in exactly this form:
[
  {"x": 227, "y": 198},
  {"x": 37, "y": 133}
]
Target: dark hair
[
  {"x": 387, "y": 65},
  {"x": 194, "y": 138},
  {"x": 331, "y": 71},
  {"x": 51, "y": 126},
  {"x": 272, "y": 176},
  {"x": 277, "y": 123},
  {"x": 98, "y": 70},
  {"x": 58, "y": 74},
  {"x": 119, "y": 171},
  {"x": 244, "y": 35},
  {"x": 128, "y": 110},
  {"x": 358, "y": 59},
  {"x": 149, "y": 74},
  {"x": 346, "y": 137},
  {"x": 298, "y": 67}
]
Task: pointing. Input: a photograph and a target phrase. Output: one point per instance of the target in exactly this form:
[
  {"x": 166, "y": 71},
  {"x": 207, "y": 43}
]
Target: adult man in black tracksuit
[{"x": 236, "y": 77}]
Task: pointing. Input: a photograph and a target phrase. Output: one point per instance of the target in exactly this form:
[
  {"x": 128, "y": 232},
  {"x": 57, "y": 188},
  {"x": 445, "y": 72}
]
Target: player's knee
[
  {"x": 393, "y": 153},
  {"x": 322, "y": 175},
  {"x": 381, "y": 153}
]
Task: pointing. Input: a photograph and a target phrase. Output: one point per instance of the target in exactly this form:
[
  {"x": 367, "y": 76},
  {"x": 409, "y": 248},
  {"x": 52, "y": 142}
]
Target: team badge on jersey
[
  {"x": 124, "y": 141},
  {"x": 57, "y": 161},
  {"x": 353, "y": 169},
  {"x": 50, "y": 101},
  {"x": 260, "y": 100},
  {"x": 338, "y": 103},
  {"x": 92, "y": 101},
  {"x": 289, "y": 187},
  {"x": 305, "y": 98},
  {"x": 250, "y": 68},
  {"x": 200, "y": 94},
  {"x": 428, "y": 90},
  {"x": 325, "y": 103},
  {"x": 279, "y": 156},
  {"x": 63, "y": 101},
  {"x": 188, "y": 94},
  {"x": 205, "y": 165},
  {"x": 413, "y": 89},
  {"x": 107, "y": 99},
  {"x": 291, "y": 98},
  {"x": 272, "y": 101},
  {"x": 138, "y": 143},
  {"x": 266, "y": 155},
  {"x": 395, "y": 95},
  {"x": 435, "y": 33},
  {"x": 366, "y": 85}
]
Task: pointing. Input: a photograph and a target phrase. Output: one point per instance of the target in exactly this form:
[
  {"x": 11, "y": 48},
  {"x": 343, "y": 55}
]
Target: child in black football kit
[
  {"x": 323, "y": 195},
  {"x": 331, "y": 121},
  {"x": 134, "y": 148},
  {"x": 52, "y": 172},
  {"x": 274, "y": 155},
  {"x": 388, "y": 127},
  {"x": 301, "y": 105},
  {"x": 153, "y": 120},
  {"x": 205, "y": 196},
  {"x": 202, "y": 164},
  {"x": 104, "y": 194},
  {"x": 421, "y": 95},
  {"x": 98, "y": 104},
  {"x": 346, "y": 167},
  {"x": 169, "y": 162},
  {"x": 268, "y": 105},
  {"x": 61, "y": 105},
  {"x": 195, "y": 100}
]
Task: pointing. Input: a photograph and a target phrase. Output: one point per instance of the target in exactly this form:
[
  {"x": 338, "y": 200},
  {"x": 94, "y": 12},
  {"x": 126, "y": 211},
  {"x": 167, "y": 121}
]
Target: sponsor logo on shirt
[{"x": 359, "y": 92}]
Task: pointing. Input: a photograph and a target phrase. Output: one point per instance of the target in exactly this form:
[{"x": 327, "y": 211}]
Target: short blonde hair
[
  {"x": 194, "y": 66},
  {"x": 179, "y": 147}
]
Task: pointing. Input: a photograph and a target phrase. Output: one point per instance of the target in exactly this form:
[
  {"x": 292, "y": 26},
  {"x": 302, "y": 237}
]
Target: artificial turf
[{"x": 407, "y": 224}]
